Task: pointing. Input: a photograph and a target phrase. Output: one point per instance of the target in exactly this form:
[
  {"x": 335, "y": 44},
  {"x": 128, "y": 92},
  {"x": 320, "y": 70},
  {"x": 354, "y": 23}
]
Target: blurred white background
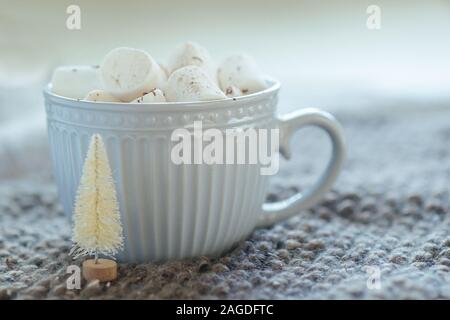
[{"x": 321, "y": 51}]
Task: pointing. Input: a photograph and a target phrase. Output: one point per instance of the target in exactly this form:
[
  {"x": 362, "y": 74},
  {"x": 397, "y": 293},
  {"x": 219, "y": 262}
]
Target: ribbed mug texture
[{"x": 168, "y": 211}]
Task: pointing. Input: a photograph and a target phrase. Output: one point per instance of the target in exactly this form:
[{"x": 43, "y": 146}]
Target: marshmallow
[
  {"x": 241, "y": 71},
  {"x": 154, "y": 95},
  {"x": 192, "y": 54},
  {"x": 164, "y": 69},
  {"x": 100, "y": 95},
  {"x": 75, "y": 81},
  {"x": 232, "y": 92},
  {"x": 191, "y": 83},
  {"x": 129, "y": 73}
]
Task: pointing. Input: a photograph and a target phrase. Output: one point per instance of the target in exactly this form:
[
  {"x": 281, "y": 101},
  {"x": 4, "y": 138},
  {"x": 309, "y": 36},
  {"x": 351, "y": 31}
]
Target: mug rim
[{"x": 272, "y": 89}]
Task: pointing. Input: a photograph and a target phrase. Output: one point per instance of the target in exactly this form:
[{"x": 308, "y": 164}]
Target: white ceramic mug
[{"x": 174, "y": 211}]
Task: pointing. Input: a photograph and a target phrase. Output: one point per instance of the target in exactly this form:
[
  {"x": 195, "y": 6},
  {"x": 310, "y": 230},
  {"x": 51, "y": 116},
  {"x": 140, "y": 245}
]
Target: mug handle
[{"x": 288, "y": 124}]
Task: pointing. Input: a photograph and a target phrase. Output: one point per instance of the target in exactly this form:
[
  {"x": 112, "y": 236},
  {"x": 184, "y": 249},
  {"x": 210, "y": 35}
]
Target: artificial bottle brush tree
[{"x": 97, "y": 227}]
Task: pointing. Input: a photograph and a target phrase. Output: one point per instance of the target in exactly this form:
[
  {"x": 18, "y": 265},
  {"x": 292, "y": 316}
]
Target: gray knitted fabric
[{"x": 387, "y": 214}]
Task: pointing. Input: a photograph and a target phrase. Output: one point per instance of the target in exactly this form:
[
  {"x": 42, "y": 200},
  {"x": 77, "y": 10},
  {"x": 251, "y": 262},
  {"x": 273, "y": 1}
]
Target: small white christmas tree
[{"x": 97, "y": 226}]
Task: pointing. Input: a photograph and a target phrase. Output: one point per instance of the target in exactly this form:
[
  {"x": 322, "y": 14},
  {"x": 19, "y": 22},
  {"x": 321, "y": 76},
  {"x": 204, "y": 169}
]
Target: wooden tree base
[{"x": 104, "y": 270}]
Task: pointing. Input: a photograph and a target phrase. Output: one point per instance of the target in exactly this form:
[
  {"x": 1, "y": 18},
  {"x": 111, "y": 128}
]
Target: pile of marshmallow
[{"x": 132, "y": 75}]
